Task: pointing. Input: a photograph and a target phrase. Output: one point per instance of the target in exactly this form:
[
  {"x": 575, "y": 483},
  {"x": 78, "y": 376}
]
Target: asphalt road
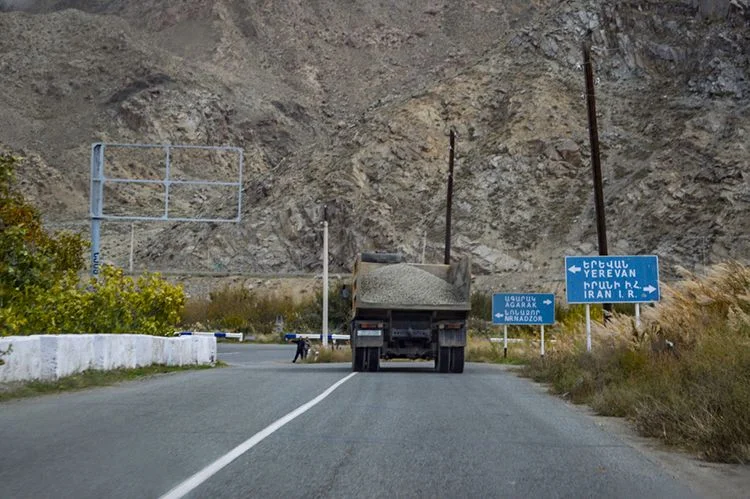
[{"x": 403, "y": 432}]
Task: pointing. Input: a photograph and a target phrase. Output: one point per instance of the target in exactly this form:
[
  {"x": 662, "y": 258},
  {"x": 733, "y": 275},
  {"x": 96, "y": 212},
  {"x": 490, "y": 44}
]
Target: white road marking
[{"x": 197, "y": 479}]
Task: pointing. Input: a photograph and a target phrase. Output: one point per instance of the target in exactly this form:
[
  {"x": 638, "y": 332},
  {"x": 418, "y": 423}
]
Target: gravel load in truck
[{"x": 404, "y": 284}]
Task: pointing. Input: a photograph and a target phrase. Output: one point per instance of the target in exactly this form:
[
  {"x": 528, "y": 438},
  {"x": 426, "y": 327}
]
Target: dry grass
[
  {"x": 268, "y": 338},
  {"x": 320, "y": 355},
  {"x": 480, "y": 349},
  {"x": 254, "y": 312},
  {"x": 684, "y": 376}
]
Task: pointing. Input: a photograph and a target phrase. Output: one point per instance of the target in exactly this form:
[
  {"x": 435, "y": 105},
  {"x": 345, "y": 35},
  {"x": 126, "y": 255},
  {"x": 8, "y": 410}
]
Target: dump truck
[{"x": 409, "y": 311}]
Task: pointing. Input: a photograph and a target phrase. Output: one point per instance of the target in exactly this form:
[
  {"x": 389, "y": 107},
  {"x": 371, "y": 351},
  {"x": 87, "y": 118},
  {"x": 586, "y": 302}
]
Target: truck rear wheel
[
  {"x": 443, "y": 360},
  {"x": 373, "y": 360},
  {"x": 358, "y": 359},
  {"x": 457, "y": 359}
]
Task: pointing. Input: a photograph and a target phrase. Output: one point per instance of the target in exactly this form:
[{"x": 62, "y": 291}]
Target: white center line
[{"x": 194, "y": 481}]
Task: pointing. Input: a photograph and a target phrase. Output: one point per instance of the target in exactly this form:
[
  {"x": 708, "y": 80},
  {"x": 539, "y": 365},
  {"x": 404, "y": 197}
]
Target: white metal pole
[
  {"x": 132, "y": 246},
  {"x": 588, "y": 328},
  {"x": 505, "y": 341},
  {"x": 325, "y": 284},
  {"x": 424, "y": 244},
  {"x": 542, "y": 340},
  {"x": 97, "y": 195},
  {"x": 637, "y": 315}
]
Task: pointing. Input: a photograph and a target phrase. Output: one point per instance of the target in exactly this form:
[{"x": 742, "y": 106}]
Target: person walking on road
[
  {"x": 307, "y": 349},
  {"x": 300, "y": 349}
]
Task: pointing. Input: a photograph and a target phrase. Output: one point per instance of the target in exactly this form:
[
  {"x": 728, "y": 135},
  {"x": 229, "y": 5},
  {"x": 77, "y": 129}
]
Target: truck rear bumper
[{"x": 452, "y": 338}]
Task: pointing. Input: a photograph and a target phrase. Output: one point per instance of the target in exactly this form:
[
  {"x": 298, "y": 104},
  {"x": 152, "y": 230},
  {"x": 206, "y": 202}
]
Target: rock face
[{"x": 349, "y": 105}]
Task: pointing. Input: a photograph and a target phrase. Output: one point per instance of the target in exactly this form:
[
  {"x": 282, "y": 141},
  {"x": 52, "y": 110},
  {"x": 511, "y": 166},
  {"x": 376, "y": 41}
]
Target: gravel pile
[{"x": 406, "y": 285}]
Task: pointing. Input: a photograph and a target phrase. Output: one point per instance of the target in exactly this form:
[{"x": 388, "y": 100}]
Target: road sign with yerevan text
[
  {"x": 523, "y": 309},
  {"x": 612, "y": 279}
]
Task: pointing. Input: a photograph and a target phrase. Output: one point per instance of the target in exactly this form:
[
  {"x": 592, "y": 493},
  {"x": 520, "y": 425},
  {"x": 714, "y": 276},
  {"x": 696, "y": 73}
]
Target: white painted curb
[{"x": 50, "y": 357}]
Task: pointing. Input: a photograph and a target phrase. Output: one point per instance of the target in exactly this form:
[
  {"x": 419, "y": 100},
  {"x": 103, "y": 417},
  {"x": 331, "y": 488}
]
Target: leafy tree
[
  {"x": 40, "y": 288},
  {"x": 29, "y": 255}
]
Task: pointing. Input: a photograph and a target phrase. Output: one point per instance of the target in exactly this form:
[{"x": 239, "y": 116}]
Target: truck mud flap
[{"x": 451, "y": 338}]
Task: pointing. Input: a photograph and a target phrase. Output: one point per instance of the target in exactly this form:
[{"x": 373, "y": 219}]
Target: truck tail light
[
  {"x": 370, "y": 325},
  {"x": 451, "y": 325}
]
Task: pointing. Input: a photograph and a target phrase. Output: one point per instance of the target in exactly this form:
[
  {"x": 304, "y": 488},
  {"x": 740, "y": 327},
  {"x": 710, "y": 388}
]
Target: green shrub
[
  {"x": 252, "y": 312},
  {"x": 481, "y": 306},
  {"x": 40, "y": 291},
  {"x": 114, "y": 303}
]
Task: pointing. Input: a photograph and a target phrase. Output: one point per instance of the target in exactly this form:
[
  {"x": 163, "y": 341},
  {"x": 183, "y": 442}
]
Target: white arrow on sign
[
  {"x": 649, "y": 289},
  {"x": 547, "y": 302},
  {"x": 574, "y": 269},
  {"x": 498, "y": 315}
]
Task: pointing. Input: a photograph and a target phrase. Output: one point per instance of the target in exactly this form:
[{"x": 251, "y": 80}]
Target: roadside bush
[
  {"x": 480, "y": 349},
  {"x": 114, "y": 303},
  {"x": 481, "y": 306},
  {"x": 40, "y": 290},
  {"x": 320, "y": 355},
  {"x": 253, "y": 312}
]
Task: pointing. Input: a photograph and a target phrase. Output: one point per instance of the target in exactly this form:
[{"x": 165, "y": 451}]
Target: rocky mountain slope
[{"x": 350, "y": 105}]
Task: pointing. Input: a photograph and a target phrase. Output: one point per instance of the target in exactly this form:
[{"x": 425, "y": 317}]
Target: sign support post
[
  {"x": 97, "y": 202},
  {"x": 505, "y": 341},
  {"x": 132, "y": 247},
  {"x": 542, "y": 340},
  {"x": 637, "y": 315},
  {"x": 588, "y": 327}
]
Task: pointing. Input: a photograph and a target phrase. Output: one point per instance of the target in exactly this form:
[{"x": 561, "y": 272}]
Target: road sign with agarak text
[
  {"x": 523, "y": 308},
  {"x": 612, "y": 279}
]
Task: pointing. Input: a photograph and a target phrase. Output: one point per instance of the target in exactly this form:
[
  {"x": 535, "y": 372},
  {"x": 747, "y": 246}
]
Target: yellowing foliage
[{"x": 40, "y": 291}]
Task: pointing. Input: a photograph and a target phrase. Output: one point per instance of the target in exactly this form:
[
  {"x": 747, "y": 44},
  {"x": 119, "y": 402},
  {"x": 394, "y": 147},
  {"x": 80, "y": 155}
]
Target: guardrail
[
  {"x": 216, "y": 334},
  {"x": 313, "y": 336},
  {"x": 517, "y": 340}
]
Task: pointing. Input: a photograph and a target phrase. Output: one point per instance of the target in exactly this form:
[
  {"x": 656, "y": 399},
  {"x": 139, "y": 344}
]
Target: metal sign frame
[{"x": 99, "y": 179}]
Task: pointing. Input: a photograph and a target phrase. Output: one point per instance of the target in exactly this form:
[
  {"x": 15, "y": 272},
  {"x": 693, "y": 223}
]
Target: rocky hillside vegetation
[{"x": 350, "y": 103}]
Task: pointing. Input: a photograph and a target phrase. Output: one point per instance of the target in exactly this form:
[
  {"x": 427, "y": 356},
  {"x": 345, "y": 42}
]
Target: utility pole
[
  {"x": 132, "y": 247},
  {"x": 324, "y": 337},
  {"x": 601, "y": 226},
  {"x": 449, "y": 207}
]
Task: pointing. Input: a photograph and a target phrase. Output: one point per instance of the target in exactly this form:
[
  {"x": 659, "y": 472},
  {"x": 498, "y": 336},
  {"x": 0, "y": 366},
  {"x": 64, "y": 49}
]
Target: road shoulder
[{"x": 715, "y": 480}]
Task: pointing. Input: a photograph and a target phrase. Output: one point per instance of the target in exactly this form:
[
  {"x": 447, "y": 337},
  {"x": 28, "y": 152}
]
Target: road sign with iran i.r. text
[{"x": 612, "y": 279}]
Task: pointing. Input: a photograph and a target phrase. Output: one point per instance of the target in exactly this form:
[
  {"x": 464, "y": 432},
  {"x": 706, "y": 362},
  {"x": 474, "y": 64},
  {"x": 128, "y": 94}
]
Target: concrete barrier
[{"x": 50, "y": 357}]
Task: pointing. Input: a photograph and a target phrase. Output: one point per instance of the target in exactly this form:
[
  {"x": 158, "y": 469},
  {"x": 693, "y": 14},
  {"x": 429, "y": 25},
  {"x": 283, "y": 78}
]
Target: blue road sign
[
  {"x": 523, "y": 308},
  {"x": 612, "y": 279}
]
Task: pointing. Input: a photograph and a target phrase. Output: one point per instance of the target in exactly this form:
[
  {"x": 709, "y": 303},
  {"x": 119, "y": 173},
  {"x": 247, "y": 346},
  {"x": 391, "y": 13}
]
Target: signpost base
[
  {"x": 505, "y": 342},
  {"x": 542, "y": 340}
]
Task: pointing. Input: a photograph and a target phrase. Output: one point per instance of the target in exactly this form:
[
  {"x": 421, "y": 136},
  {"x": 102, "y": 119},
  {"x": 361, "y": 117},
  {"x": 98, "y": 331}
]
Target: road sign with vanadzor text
[
  {"x": 612, "y": 279},
  {"x": 523, "y": 308}
]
